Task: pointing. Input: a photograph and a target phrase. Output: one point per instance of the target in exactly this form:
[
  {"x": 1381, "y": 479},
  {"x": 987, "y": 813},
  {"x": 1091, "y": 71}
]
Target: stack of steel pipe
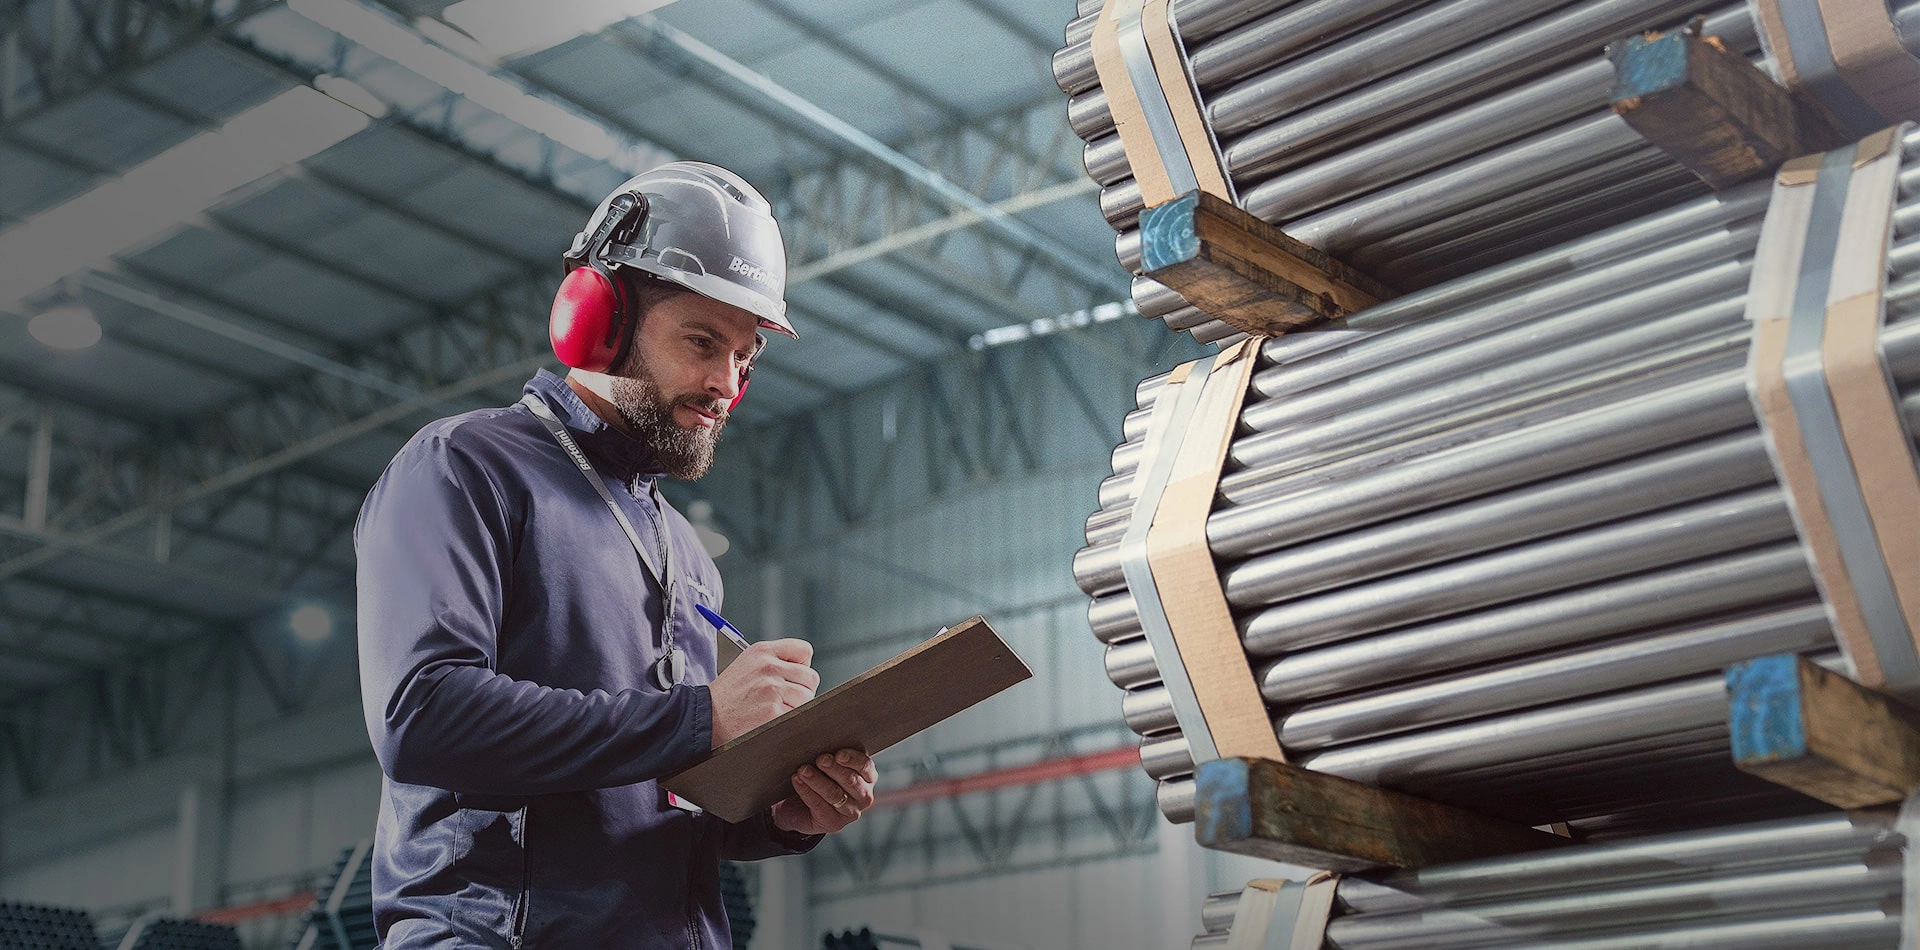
[
  {"x": 1417, "y": 141},
  {"x": 1832, "y": 881},
  {"x": 166, "y": 933},
  {"x": 34, "y": 927},
  {"x": 1489, "y": 547},
  {"x": 341, "y": 917}
]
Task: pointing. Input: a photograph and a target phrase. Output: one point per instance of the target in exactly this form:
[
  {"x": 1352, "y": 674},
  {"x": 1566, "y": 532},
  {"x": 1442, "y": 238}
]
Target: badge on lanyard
[
  {"x": 671, "y": 669},
  {"x": 675, "y": 801}
]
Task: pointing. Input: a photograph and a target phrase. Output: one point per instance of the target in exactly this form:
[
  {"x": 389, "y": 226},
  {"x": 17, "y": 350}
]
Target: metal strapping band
[
  {"x": 1166, "y": 427},
  {"x": 1819, "y": 74},
  {"x": 1132, "y": 41},
  {"x": 1819, "y": 421}
]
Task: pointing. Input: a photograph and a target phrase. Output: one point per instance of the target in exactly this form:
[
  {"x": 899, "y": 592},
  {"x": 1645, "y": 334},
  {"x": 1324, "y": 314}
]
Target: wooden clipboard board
[{"x": 931, "y": 682}]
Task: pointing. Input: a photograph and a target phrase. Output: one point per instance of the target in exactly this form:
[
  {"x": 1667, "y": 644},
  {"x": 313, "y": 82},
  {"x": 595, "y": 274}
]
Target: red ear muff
[{"x": 587, "y": 326}]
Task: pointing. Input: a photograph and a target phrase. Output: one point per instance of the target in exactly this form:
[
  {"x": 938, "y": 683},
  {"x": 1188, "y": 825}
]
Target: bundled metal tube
[
  {"x": 1291, "y": 434},
  {"x": 1246, "y": 87},
  {"x": 1500, "y": 745},
  {"x": 1671, "y": 417},
  {"x": 1468, "y": 142},
  {"x": 1485, "y": 404},
  {"x": 1440, "y": 177},
  {"x": 1495, "y": 748},
  {"x": 1579, "y": 305},
  {"x": 1794, "y": 626},
  {"x": 1855, "y": 883},
  {"x": 1701, "y": 589},
  {"x": 1609, "y": 433},
  {"x": 1492, "y": 540},
  {"x": 1742, "y": 578},
  {"x": 1778, "y": 844},
  {"x": 1827, "y": 880},
  {"x": 1200, "y": 20},
  {"x": 1602, "y": 572},
  {"x": 1258, "y": 459},
  {"x": 1617, "y": 665},
  {"x": 1643, "y": 239}
]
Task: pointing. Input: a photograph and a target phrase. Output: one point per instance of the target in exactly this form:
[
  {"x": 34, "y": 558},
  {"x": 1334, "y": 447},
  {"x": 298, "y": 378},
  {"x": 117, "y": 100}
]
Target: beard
[{"x": 682, "y": 453}]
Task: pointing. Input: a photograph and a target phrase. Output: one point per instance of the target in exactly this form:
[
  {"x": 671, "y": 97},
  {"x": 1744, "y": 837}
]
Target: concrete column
[
  {"x": 198, "y": 846},
  {"x": 782, "y": 911},
  {"x": 785, "y": 921},
  {"x": 1180, "y": 873}
]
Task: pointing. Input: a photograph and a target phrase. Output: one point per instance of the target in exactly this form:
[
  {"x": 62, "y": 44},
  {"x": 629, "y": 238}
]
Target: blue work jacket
[{"x": 507, "y": 633}]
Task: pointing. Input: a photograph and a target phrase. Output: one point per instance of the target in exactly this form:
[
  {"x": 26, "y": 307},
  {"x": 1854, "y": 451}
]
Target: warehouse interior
[
  {"x": 1501, "y": 520},
  {"x": 183, "y": 722}
]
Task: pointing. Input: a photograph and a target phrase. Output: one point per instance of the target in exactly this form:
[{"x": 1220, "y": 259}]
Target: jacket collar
[{"x": 615, "y": 452}]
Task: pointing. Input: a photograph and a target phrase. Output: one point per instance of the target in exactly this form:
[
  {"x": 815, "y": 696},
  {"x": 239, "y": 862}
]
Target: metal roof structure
[{"x": 289, "y": 283}]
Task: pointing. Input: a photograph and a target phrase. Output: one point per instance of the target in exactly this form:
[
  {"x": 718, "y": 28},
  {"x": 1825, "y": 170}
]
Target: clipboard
[{"x": 948, "y": 673}]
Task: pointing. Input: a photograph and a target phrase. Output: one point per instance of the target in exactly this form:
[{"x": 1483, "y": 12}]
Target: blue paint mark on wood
[
  {"x": 1764, "y": 703},
  {"x": 1643, "y": 67},
  {"x": 1223, "y": 801},
  {"x": 1167, "y": 233}
]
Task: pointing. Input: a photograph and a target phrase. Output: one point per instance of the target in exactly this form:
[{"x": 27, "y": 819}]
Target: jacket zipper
[
  {"x": 693, "y": 907},
  {"x": 526, "y": 880},
  {"x": 693, "y": 920}
]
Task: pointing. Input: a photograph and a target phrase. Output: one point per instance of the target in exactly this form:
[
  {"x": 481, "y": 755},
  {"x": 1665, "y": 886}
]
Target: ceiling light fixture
[
  {"x": 311, "y": 623},
  {"x": 1015, "y": 332},
  {"x": 67, "y": 327}
]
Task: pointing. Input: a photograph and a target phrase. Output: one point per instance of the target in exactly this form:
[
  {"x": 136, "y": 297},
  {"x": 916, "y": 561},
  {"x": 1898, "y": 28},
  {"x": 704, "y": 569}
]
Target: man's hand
[
  {"x": 766, "y": 680},
  {"x": 828, "y": 795}
]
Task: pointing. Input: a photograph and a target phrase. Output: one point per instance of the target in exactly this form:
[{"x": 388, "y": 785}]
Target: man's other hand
[
  {"x": 828, "y": 795},
  {"x": 766, "y": 680}
]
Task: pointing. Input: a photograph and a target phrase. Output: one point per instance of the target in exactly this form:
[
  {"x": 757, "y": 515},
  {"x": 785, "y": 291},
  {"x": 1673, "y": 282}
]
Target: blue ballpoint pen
[{"x": 722, "y": 625}]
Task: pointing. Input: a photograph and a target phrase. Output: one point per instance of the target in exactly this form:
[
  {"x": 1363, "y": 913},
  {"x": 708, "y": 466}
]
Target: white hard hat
[{"x": 703, "y": 228}]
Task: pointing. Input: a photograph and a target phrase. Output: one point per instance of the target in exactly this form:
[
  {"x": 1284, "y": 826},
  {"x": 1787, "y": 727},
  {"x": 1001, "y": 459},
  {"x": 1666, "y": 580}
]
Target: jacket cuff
[
  {"x": 793, "y": 841},
  {"x": 701, "y": 716},
  {"x": 693, "y": 740}
]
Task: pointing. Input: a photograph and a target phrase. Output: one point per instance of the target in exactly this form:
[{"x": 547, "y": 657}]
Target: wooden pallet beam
[
  {"x": 1245, "y": 272},
  {"x": 1798, "y": 724},
  {"x": 1711, "y": 109},
  {"x": 1283, "y": 812}
]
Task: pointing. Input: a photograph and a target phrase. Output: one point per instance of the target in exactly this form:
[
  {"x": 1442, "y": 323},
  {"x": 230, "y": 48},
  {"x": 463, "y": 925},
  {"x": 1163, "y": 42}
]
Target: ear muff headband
[{"x": 591, "y": 323}]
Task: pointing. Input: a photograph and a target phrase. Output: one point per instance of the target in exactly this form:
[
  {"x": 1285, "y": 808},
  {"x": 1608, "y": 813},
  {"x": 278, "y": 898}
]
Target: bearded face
[{"x": 683, "y": 453}]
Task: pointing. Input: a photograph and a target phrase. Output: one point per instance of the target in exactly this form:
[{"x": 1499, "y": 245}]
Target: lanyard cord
[{"x": 587, "y": 471}]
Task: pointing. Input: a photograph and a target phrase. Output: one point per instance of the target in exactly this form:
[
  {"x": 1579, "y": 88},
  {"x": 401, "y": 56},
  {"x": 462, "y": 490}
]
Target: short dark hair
[{"x": 647, "y": 291}]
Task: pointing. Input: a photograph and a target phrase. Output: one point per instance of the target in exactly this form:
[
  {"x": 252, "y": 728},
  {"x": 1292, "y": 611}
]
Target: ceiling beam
[
  {"x": 287, "y": 455},
  {"x": 61, "y": 59},
  {"x": 662, "y": 37}
]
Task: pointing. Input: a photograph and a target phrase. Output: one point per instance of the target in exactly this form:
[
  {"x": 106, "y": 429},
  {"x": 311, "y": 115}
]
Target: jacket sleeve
[
  {"x": 435, "y": 543},
  {"x": 758, "y": 838}
]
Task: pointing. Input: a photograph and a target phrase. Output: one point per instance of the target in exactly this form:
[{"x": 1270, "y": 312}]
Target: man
[{"x": 531, "y": 657}]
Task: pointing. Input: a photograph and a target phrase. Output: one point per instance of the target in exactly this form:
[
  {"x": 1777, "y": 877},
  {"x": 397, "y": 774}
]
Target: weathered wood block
[
  {"x": 1711, "y": 109},
  {"x": 1798, "y": 724},
  {"x": 1283, "y": 812},
  {"x": 1246, "y": 272}
]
